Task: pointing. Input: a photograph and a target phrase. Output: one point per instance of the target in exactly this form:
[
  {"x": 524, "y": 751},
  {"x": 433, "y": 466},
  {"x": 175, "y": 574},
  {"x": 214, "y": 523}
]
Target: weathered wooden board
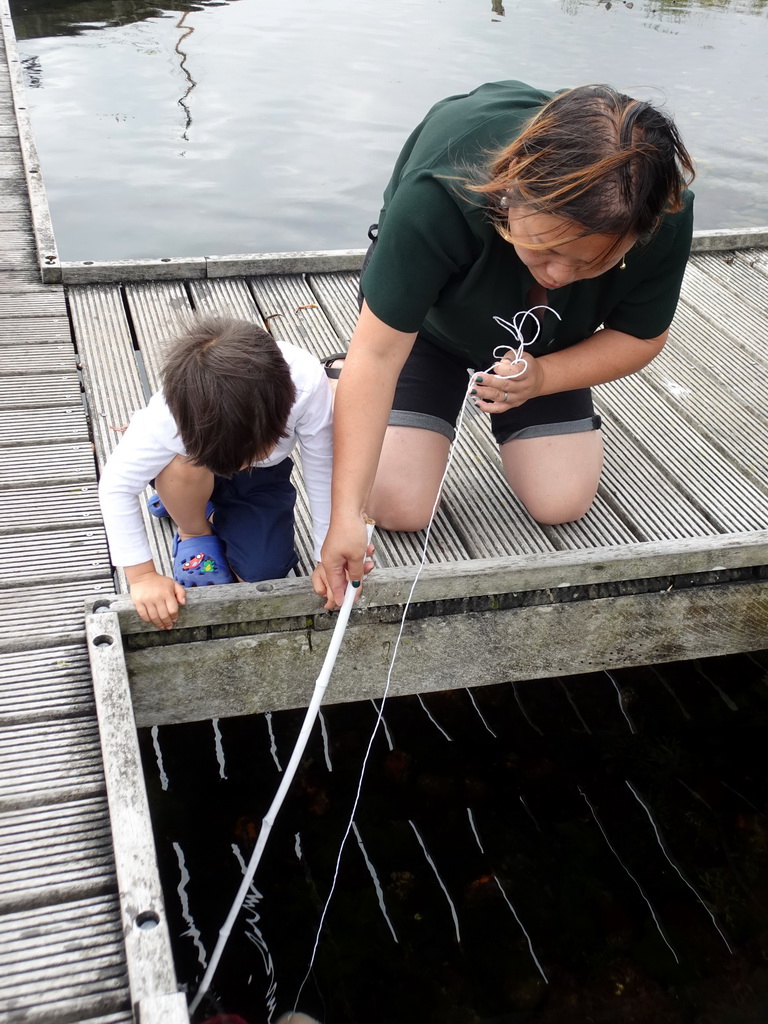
[{"x": 216, "y": 678}]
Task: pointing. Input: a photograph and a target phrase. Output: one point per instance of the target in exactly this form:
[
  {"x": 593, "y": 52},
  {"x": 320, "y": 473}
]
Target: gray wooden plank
[
  {"x": 56, "y": 556},
  {"x": 33, "y": 392},
  {"x": 227, "y": 296},
  {"x": 79, "y": 947},
  {"x": 292, "y": 313},
  {"x": 724, "y": 307},
  {"x": 55, "y": 853},
  {"x": 645, "y": 496},
  {"x": 716, "y": 412},
  {"x": 44, "y": 508},
  {"x": 157, "y": 310},
  {"x": 42, "y": 426},
  {"x": 46, "y": 616},
  {"x": 113, "y": 383},
  {"x": 38, "y": 686},
  {"x": 34, "y": 330},
  {"x": 337, "y": 294},
  {"x": 34, "y": 301},
  {"x": 28, "y": 465},
  {"x": 711, "y": 482},
  {"x": 33, "y": 359},
  {"x": 49, "y": 762}
]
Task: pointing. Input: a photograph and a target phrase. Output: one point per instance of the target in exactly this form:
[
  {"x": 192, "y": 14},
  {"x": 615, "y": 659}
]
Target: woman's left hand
[{"x": 496, "y": 392}]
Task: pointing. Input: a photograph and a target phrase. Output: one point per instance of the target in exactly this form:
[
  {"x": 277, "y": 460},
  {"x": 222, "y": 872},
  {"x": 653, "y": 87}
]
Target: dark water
[
  {"x": 660, "y": 921},
  {"x": 222, "y": 127}
]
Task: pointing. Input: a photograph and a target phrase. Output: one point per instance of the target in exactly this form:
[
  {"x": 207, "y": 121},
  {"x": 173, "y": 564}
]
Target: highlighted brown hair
[
  {"x": 612, "y": 164},
  {"x": 230, "y": 391}
]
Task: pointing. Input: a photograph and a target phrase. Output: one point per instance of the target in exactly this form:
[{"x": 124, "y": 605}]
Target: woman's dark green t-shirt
[{"x": 440, "y": 266}]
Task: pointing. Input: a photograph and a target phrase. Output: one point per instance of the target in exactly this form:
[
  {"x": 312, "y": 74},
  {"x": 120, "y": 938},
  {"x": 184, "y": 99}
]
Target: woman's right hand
[{"x": 345, "y": 557}]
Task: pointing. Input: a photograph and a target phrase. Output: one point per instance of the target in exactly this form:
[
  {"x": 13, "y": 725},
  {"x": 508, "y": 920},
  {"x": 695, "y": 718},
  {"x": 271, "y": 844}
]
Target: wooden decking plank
[
  {"x": 43, "y": 508},
  {"x": 45, "y": 684},
  {"x": 46, "y": 616},
  {"x": 49, "y": 762},
  {"x": 114, "y": 386},
  {"x": 31, "y": 359},
  {"x": 226, "y": 296},
  {"x": 736, "y": 275},
  {"x": 34, "y": 330},
  {"x": 34, "y": 392},
  {"x": 643, "y": 495},
  {"x": 710, "y": 481},
  {"x": 290, "y": 309},
  {"x": 57, "y": 556},
  {"x": 41, "y": 426},
  {"x": 725, "y": 308},
  {"x": 731, "y": 365},
  {"x": 56, "y": 853},
  {"x": 730, "y": 427},
  {"x": 30, "y": 464},
  {"x": 82, "y": 940},
  {"x": 337, "y": 294},
  {"x": 157, "y": 309}
]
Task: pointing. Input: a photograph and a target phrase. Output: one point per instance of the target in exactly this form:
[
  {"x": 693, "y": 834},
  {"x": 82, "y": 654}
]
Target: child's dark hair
[
  {"x": 230, "y": 391},
  {"x": 613, "y": 164}
]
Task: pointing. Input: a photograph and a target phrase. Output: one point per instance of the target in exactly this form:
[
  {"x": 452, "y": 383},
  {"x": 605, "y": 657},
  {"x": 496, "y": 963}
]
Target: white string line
[
  {"x": 256, "y": 936},
  {"x": 508, "y": 901},
  {"x": 219, "y": 749},
  {"x": 159, "y": 757},
  {"x": 480, "y": 714},
  {"x": 192, "y": 932},
  {"x": 624, "y": 711},
  {"x": 375, "y": 880},
  {"x": 516, "y": 329},
  {"x": 272, "y": 742},
  {"x": 572, "y": 702},
  {"x": 324, "y": 732},
  {"x": 433, "y": 720},
  {"x": 663, "y": 847},
  {"x": 637, "y": 883},
  {"x": 387, "y": 733},
  {"x": 441, "y": 883}
]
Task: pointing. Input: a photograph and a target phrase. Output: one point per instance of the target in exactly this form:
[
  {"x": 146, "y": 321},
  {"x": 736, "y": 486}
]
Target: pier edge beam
[{"x": 154, "y": 989}]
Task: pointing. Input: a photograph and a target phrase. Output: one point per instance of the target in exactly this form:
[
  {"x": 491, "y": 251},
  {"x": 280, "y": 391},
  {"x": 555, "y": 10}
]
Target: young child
[{"x": 216, "y": 440}]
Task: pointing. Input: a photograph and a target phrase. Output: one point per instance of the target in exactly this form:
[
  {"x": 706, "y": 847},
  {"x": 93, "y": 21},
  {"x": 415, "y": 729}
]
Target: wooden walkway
[{"x": 669, "y": 564}]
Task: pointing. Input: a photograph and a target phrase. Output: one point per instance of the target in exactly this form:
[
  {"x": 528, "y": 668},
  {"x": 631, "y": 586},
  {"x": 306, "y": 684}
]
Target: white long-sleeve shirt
[{"x": 152, "y": 441}]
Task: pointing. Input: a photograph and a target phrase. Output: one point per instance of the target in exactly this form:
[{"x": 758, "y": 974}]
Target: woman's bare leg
[
  {"x": 185, "y": 490},
  {"x": 555, "y": 477},
  {"x": 411, "y": 466}
]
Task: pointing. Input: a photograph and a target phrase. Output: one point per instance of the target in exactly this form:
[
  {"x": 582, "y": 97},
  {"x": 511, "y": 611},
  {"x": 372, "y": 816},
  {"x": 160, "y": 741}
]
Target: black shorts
[{"x": 433, "y": 384}]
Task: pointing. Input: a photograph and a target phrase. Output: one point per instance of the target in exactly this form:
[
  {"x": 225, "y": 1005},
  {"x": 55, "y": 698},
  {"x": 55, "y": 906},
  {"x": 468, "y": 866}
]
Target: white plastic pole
[{"x": 268, "y": 820}]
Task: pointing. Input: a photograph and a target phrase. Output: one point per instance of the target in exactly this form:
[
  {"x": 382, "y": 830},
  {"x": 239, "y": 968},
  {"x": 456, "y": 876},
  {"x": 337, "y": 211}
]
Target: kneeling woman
[{"x": 502, "y": 200}]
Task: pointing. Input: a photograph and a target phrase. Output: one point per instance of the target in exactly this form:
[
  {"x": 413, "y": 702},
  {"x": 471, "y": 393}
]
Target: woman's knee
[
  {"x": 392, "y": 509},
  {"x": 556, "y": 509}
]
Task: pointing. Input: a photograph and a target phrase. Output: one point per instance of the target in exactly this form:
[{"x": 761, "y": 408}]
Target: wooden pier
[{"x": 670, "y": 564}]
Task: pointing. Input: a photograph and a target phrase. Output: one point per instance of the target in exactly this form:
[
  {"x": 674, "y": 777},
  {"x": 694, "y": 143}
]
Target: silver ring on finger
[{"x": 504, "y": 395}]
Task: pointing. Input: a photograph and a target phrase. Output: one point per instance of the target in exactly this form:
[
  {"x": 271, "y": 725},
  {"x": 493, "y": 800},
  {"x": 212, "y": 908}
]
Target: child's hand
[{"x": 157, "y": 599}]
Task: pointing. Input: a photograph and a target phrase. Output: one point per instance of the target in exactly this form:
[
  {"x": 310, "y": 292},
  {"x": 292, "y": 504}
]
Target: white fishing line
[
  {"x": 219, "y": 749},
  {"x": 515, "y": 328},
  {"x": 663, "y": 847},
  {"x": 324, "y": 732},
  {"x": 192, "y": 932},
  {"x": 480, "y": 714},
  {"x": 375, "y": 880},
  {"x": 624, "y": 711},
  {"x": 637, "y": 883},
  {"x": 159, "y": 757},
  {"x": 508, "y": 902},
  {"x": 433, "y": 720},
  {"x": 440, "y": 882},
  {"x": 272, "y": 741},
  {"x": 387, "y": 733}
]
